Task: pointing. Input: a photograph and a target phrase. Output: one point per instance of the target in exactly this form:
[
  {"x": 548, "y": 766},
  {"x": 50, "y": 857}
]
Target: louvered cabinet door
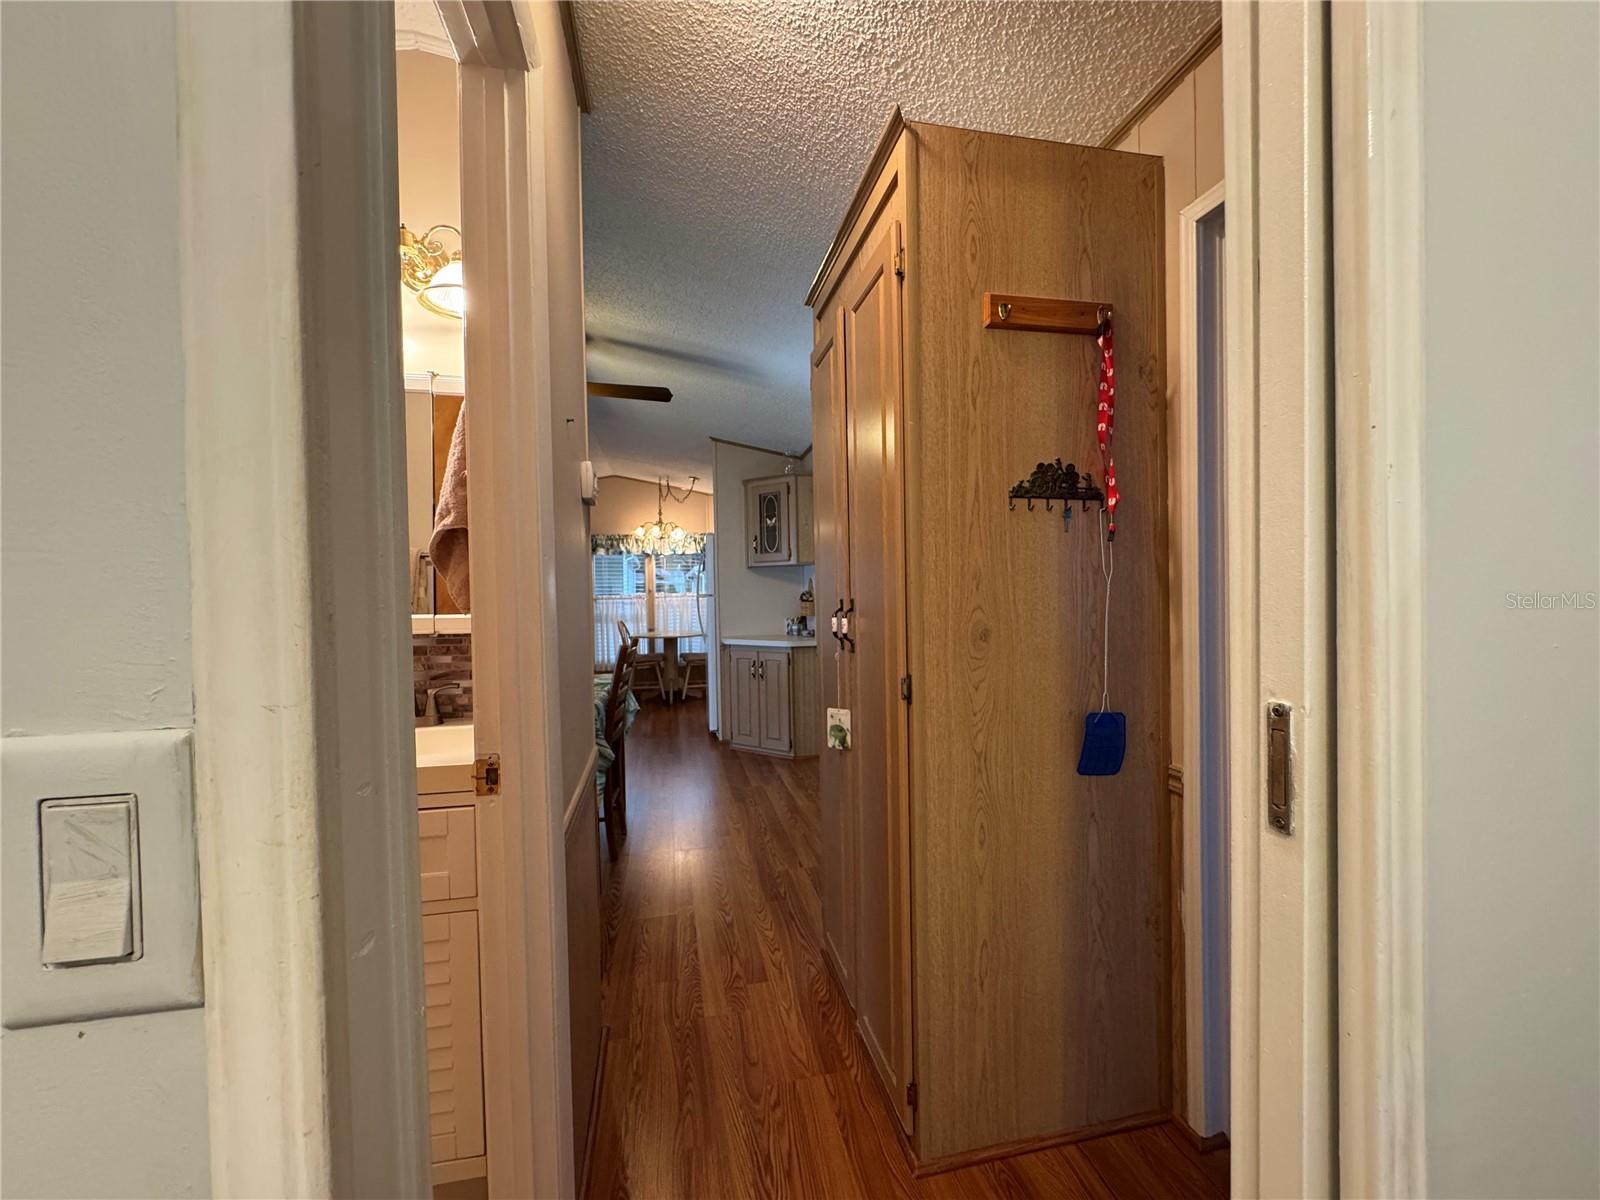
[{"x": 455, "y": 1034}]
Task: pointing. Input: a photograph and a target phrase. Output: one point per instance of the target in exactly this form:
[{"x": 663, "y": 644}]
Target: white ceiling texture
[{"x": 724, "y": 142}]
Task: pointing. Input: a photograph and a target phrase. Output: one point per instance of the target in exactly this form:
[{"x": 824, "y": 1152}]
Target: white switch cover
[
  {"x": 99, "y": 893},
  {"x": 89, "y": 861}
]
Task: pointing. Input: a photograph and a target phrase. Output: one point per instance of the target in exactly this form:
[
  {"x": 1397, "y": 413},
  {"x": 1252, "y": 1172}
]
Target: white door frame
[
  {"x": 1377, "y": 156},
  {"x": 1278, "y": 522},
  {"x": 305, "y": 780},
  {"x": 527, "y": 1038},
  {"x": 1203, "y": 896}
]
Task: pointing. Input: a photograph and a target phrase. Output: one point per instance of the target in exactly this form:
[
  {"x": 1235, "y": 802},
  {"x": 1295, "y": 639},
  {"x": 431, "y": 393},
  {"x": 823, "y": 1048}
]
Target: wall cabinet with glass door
[{"x": 778, "y": 521}]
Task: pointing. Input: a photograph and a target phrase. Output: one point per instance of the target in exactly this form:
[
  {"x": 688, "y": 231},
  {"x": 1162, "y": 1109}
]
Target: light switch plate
[{"x": 47, "y": 777}]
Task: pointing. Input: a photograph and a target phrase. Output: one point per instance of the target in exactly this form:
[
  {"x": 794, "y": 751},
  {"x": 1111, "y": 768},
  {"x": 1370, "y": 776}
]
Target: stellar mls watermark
[{"x": 1582, "y": 601}]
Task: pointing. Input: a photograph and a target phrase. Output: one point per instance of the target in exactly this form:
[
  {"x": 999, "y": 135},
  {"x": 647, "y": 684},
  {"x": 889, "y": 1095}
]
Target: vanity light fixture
[{"x": 433, "y": 272}]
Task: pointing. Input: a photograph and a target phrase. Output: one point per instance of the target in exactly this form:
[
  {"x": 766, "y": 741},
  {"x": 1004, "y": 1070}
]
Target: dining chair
[
  {"x": 648, "y": 662},
  {"x": 614, "y": 788},
  {"x": 687, "y": 662}
]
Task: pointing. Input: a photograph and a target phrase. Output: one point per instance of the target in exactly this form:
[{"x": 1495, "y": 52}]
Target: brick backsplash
[{"x": 438, "y": 658}]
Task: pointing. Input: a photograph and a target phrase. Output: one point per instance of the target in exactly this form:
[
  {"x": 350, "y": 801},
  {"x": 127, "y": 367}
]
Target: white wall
[
  {"x": 750, "y": 600},
  {"x": 1511, "y": 144},
  {"x": 429, "y": 137},
  {"x": 626, "y": 503},
  {"x": 95, "y": 535}
]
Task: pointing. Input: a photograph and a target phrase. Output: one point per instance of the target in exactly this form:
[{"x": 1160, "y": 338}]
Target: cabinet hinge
[
  {"x": 900, "y": 262},
  {"x": 486, "y": 775},
  {"x": 911, "y": 1095},
  {"x": 905, "y": 688}
]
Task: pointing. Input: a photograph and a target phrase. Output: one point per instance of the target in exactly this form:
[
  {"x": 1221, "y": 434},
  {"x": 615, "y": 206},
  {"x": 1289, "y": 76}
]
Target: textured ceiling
[{"x": 722, "y": 147}]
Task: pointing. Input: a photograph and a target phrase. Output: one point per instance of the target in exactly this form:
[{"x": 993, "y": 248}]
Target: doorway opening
[{"x": 1205, "y": 900}]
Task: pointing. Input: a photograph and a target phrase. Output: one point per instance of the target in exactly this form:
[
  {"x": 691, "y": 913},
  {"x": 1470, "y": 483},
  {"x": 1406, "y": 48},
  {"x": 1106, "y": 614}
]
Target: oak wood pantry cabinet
[{"x": 1000, "y": 924}]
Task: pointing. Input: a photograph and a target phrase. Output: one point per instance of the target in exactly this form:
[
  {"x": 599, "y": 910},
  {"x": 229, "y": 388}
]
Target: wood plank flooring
[{"x": 733, "y": 1069}]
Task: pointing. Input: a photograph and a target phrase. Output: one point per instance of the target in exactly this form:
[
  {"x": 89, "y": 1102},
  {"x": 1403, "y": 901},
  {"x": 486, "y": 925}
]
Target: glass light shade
[{"x": 446, "y": 293}]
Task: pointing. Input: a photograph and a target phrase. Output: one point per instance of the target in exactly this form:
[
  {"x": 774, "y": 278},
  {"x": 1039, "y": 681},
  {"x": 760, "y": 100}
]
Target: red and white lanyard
[{"x": 1105, "y": 423}]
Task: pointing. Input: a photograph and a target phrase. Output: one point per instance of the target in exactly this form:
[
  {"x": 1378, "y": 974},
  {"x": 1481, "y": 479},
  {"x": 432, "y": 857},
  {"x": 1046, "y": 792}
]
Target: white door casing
[
  {"x": 1280, "y": 602},
  {"x": 305, "y": 777},
  {"x": 1377, "y": 154}
]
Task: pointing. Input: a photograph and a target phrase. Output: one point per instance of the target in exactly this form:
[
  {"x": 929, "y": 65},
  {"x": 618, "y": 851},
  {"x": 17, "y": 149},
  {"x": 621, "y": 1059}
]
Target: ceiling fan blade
[{"x": 630, "y": 391}]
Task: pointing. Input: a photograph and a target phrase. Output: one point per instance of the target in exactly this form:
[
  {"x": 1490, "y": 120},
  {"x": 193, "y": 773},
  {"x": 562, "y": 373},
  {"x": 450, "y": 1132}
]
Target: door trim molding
[
  {"x": 1377, "y": 147},
  {"x": 305, "y": 778},
  {"x": 527, "y": 1035},
  {"x": 1279, "y": 584}
]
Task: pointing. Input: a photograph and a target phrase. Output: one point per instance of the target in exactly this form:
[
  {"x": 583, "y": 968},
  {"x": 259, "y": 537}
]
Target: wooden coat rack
[{"x": 1043, "y": 314}]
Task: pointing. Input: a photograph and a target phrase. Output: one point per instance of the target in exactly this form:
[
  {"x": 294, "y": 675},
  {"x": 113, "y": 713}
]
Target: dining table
[{"x": 669, "y": 653}]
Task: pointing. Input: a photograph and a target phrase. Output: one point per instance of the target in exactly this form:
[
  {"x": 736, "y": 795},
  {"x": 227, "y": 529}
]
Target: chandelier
[
  {"x": 662, "y": 536},
  {"x": 433, "y": 272}
]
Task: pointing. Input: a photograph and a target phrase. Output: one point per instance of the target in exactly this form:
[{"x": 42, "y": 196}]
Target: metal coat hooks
[{"x": 1051, "y": 482}]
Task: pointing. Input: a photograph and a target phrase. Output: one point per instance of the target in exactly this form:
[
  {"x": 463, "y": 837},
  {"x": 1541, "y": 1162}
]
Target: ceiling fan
[{"x": 630, "y": 391}]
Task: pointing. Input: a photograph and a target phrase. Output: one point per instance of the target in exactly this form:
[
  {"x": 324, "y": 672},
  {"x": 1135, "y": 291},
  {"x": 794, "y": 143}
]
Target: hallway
[{"x": 731, "y": 1068}]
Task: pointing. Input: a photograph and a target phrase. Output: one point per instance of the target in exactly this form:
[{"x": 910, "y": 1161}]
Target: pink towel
[{"x": 448, "y": 546}]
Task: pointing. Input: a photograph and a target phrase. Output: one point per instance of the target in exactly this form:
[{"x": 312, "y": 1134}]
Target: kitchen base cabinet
[{"x": 771, "y": 696}]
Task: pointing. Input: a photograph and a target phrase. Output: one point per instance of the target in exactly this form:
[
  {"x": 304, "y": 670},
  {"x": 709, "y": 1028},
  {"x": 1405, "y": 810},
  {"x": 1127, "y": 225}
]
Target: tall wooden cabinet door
[
  {"x": 772, "y": 676},
  {"x": 873, "y": 322},
  {"x": 830, "y": 499},
  {"x": 744, "y": 697},
  {"x": 455, "y": 1034}
]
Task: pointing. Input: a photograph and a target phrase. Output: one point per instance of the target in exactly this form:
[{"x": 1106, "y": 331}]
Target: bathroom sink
[{"x": 444, "y": 745}]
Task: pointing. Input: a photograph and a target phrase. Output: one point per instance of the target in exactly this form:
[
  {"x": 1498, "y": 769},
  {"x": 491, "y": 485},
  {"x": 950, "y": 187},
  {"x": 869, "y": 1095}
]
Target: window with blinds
[{"x": 673, "y": 597}]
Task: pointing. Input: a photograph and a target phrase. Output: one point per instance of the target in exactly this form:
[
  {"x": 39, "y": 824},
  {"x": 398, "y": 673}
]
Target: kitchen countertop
[{"x": 770, "y": 641}]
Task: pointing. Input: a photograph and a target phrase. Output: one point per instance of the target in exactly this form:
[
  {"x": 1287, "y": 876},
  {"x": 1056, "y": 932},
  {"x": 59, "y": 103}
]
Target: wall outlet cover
[{"x": 838, "y": 729}]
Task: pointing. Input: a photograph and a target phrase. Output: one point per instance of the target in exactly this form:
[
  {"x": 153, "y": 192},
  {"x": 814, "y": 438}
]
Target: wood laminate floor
[{"x": 732, "y": 1068}]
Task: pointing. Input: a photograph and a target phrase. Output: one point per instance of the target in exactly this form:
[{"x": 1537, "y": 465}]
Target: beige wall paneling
[
  {"x": 1208, "y": 122},
  {"x": 805, "y": 711},
  {"x": 1185, "y": 130},
  {"x": 584, "y": 969},
  {"x": 1057, "y": 884}
]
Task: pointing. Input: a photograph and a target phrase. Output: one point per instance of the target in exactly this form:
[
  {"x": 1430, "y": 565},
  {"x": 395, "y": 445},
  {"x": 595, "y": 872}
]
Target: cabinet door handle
[
  {"x": 752, "y": 670},
  {"x": 833, "y": 621},
  {"x": 761, "y": 670}
]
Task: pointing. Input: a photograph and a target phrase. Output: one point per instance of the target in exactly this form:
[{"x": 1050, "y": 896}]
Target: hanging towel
[{"x": 448, "y": 546}]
